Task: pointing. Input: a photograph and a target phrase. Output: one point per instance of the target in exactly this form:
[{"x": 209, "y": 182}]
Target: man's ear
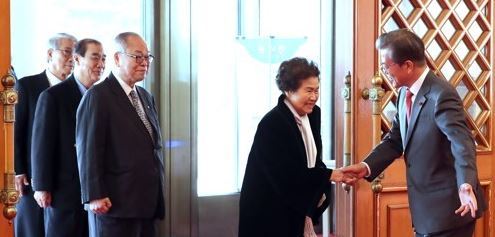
[
  {"x": 77, "y": 59},
  {"x": 49, "y": 55},
  {"x": 116, "y": 57},
  {"x": 409, "y": 65}
]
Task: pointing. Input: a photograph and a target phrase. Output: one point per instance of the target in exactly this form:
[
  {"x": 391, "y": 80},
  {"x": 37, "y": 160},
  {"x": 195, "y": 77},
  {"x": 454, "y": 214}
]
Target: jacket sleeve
[
  {"x": 450, "y": 119},
  {"x": 21, "y": 130},
  {"x": 44, "y": 143},
  {"x": 90, "y": 146},
  {"x": 387, "y": 151}
]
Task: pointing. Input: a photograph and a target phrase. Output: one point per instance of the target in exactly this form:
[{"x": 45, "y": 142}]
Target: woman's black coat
[{"x": 279, "y": 189}]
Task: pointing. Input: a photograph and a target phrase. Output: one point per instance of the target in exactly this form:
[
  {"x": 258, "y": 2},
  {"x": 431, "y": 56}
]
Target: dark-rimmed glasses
[{"x": 140, "y": 58}]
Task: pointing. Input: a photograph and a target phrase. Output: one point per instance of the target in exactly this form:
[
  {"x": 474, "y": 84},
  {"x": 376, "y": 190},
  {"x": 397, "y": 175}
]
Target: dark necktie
[
  {"x": 140, "y": 112},
  {"x": 409, "y": 96}
]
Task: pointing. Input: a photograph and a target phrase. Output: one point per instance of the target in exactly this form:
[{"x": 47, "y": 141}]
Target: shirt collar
[
  {"x": 418, "y": 83},
  {"x": 124, "y": 85},
  {"x": 81, "y": 87},
  {"x": 52, "y": 79}
]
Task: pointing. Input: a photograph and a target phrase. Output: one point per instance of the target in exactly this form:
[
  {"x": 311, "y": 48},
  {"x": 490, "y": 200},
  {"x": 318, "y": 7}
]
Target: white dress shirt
[{"x": 52, "y": 79}]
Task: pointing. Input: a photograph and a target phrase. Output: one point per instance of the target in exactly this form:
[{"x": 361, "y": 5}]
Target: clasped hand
[
  {"x": 43, "y": 198},
  {"x": 100, "y": 206},
  {"x": 349, "y": 174}
]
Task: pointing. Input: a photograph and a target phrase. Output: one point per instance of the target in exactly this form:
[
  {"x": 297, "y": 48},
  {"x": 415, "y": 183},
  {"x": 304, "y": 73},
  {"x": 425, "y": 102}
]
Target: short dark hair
[
  {"x": 291, "y": 72},
  {"x": 82, "y": 45},
  {"x": 403, "y": 45}
]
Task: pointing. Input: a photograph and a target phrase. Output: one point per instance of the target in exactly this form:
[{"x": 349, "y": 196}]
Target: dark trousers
[
  {"x": 463, "y": 231},
  {"x": 106, "y": 226},
  {"x": 66, "y": 222},
  {"x": 29, "y": 219}
]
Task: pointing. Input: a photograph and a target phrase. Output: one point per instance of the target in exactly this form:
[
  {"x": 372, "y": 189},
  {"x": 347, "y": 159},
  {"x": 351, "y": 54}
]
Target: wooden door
[
  {"x": 8, "y": 195},
  {"x": 458, "y": 38}
]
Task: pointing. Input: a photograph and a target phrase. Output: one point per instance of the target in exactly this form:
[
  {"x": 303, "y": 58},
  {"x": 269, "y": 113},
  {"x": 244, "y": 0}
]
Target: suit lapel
[
  {"x": 148, "y": 109},
  {"x": 418, "y": 106},
  {"x": 44, "y": 83},
  {"x": 74, "y": 90},
  {"x": 153, "y": 119},
  {"x": 123, "y": 101}
]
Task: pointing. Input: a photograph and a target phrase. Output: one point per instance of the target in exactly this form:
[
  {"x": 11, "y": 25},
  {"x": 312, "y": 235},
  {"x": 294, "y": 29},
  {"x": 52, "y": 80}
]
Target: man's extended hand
[
  {"x": 20, "y": 181},
  {"x": 468, "y": 201},
  {"x": 339, "y": 176},
  {"x": 100, "y": 206},
  {"x": 43, "y": 198},
  {"x": 357, "y": 171}
]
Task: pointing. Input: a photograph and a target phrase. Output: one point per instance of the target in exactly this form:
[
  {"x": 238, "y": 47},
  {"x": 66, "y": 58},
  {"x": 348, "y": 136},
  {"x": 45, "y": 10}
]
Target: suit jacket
[
  {"x": 116, "y": 155},
  {"x": 439, "y": 153},
  {"x": 54, "y": 154},
  {"x": 279, "y": 190},
  {"x": 28, "y": 88}
]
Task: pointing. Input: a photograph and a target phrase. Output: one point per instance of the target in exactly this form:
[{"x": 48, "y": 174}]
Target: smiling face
[
  {"x": 305, "y": 97},
  {"x": 397, "y": 74},
  {"x": 92, "y": 64},
  {"x": 130, "y": 69}
]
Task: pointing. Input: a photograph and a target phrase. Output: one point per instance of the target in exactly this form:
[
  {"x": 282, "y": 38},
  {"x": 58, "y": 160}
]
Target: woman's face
[{"x": 304, "y": 98}]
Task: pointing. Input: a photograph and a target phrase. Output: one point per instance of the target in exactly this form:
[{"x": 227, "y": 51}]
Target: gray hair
[
  {"x": 121, "y": 40},
  {"x": 54, "y": 41}
]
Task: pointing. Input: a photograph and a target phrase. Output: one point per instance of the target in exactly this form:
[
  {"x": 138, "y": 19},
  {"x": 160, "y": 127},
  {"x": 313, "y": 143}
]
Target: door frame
[
  {"x": 364, "y": 206},
  {"x": 6, "y": 147}
]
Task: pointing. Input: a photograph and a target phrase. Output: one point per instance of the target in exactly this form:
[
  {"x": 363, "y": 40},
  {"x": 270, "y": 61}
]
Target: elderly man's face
[
  {"x": 135, "y": 61},
  {"x": 305, "y": 97},
  {"x": 60, "y": 60},
  {"x": 92, "y": 64}
]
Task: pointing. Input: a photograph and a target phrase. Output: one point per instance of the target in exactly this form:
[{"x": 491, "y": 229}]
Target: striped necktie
[{"x": 140, "y": 112}]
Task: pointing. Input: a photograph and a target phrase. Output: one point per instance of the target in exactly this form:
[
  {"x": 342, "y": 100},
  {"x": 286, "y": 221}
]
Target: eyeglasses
[
  {"x": 66, "y": 52},
  {"x": 384, "y": 67},
  {"x": 140, "y": 58}
]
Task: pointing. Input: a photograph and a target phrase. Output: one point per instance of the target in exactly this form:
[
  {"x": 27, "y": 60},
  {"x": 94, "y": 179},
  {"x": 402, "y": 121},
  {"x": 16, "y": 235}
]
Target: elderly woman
[{"x": 286, "y": 184}]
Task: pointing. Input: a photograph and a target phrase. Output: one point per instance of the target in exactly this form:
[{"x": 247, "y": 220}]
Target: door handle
[
  {"x": 375, "y": 95},
  {"x": 8, "y": 195},
  {"x": 346, "y": 95}
]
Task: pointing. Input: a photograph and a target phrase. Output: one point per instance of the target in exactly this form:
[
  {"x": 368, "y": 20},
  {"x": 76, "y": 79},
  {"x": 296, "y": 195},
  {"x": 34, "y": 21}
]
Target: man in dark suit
[
  {"x": 29, "y": 219},
  {"x": 55, "y": 175},
  {"x": 430, "y": 131},
  {"x": 119, "y": 147}
]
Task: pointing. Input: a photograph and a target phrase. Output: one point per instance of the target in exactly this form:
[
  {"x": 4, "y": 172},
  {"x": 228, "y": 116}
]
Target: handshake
[{"x": 349, "y": 174}]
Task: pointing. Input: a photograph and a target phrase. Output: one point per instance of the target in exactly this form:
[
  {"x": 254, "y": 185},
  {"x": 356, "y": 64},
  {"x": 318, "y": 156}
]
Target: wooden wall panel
[{"x": 394, "y": 215}]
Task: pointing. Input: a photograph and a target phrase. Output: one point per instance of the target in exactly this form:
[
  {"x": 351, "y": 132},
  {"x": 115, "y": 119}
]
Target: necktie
[
  {"x": 140, "y": 112},
  {"x": 409, "y": 96}
]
